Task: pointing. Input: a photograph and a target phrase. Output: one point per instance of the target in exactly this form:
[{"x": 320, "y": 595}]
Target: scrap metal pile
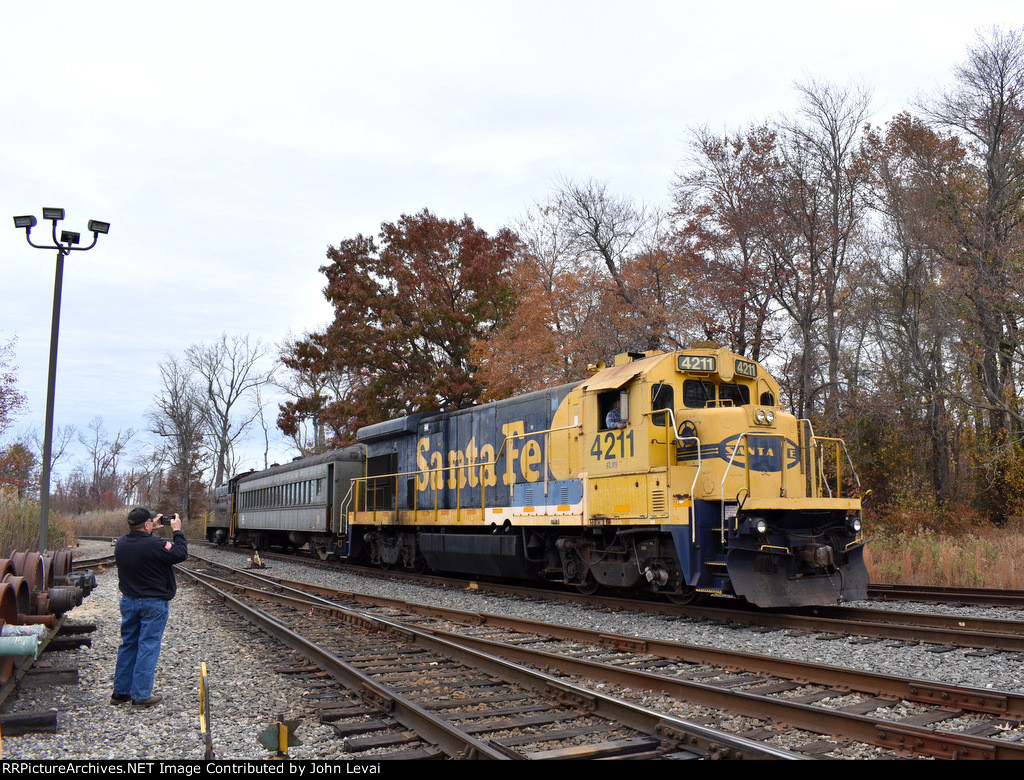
[{"x": 35, "y": 590}]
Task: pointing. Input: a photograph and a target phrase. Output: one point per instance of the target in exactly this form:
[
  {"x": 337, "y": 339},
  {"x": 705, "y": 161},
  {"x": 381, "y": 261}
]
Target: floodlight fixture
[{"x": 64, "y": 247}]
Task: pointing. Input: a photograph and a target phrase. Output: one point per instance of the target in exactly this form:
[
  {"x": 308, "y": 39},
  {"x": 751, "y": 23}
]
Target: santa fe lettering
[{"x": 475, "y": 464}]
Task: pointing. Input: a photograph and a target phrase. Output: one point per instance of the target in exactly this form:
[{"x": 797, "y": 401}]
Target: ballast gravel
[{"x": 246, "y": 695}]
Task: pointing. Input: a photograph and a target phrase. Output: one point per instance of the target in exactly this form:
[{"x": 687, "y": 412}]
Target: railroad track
[
  {"x": 394, "y": 687},
  {"x": 992, "y": 597},
  {"x": 840, "y": 704},
  {"x": 982, "y": 597},
  {"x": 990, "y": 634}
]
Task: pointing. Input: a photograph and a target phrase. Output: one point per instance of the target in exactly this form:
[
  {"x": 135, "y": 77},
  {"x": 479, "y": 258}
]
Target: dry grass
[
  {"x": 985, "y": 557},
  {"x": 115, "y": 523},
  {"x": 19, "y": 527}
]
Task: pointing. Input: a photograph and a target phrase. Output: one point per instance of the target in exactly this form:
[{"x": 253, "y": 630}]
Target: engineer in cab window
[{"x": 614, "y": 417}]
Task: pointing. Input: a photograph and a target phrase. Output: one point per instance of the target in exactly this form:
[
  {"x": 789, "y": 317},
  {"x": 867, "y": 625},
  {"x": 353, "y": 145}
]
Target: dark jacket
[{"x": 145, "y": 564}]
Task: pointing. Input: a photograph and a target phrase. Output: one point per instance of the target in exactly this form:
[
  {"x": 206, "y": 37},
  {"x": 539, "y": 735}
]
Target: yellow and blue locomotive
[{"x": 673, "y": 473}]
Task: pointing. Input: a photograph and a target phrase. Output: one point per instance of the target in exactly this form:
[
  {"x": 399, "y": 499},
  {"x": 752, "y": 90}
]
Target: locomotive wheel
[
  {"x": 688, "y": 596},
  {"x": 590, "y": 586}
]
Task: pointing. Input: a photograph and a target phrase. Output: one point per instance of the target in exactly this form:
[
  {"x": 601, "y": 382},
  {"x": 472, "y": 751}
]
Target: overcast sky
[{"x": 229, "y": 144}]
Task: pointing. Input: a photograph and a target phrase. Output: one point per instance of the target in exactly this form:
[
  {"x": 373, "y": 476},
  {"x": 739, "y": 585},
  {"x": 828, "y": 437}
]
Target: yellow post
[
  {"x": 282, "y": 736},
  {"x": 204, "y": 711}
]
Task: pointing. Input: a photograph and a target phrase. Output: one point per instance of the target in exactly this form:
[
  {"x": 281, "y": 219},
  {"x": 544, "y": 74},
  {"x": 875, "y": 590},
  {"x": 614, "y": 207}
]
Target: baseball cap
[{"x": 140, "y": 515}]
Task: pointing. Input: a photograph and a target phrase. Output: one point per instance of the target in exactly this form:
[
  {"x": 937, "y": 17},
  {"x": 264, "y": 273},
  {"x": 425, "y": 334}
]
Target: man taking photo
[{"x": 145, "y": 573}]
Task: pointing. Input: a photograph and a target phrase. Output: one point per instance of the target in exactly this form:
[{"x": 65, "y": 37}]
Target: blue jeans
[{"x": 142, "y": 629}]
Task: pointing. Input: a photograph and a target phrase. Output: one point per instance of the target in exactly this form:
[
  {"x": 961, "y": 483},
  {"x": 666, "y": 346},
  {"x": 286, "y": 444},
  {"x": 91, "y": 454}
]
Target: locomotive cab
[{"x": 709, "y": 487}]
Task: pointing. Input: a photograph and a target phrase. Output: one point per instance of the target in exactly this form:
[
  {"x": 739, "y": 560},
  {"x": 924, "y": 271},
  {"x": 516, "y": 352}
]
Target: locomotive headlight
[
  {"x": 755, "y": 525},
  {"x": 761, "y": 416},
  {"x": 855, "y": 525},
  {"x": 770, "y": 415}
]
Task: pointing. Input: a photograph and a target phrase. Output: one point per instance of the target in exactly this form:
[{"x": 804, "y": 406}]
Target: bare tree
[
  {"x": 104, "y": 455},
  {"x": 179, "y": 419},
  {"x": 833, "y": 118},
  {"x": 229, "y": 375},
  {"x": 597, "y": 227},
  {"x": 809, "y": 227},
  {"x": 983, "y": 237},
  {"x": 62, "y": 437}
]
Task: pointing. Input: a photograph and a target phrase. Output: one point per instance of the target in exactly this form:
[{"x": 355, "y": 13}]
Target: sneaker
[
  {"x": 148, "y": 702},
  {"x": 120, "y": 698}
]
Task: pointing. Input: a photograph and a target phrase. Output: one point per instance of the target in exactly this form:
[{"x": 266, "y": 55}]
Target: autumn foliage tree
[
  {"x": 18, "y": 469},
  {"x": 10, "y": 399},
  {"x": 16, "y": 461},
  {"x": 408, "y": 307},
  {"x": 718, "y": 238}
]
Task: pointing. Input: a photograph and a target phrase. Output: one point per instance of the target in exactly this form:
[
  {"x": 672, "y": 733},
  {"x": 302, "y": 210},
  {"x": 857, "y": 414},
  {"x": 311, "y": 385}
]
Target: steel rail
[
  {"x": 914, "y": 627},
  {"x": 689, "y": 735},
  {"x": 88, "y": 563},
  {"x": 993, "y": 597},
  {"x": 1005, "y": 704},
  {"x": 955, "y": 623},
  {"x": 918, "y": 740},
  {"x": 449, "y": 739}
]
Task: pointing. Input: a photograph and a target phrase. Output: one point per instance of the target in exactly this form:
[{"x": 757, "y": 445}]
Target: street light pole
[{"x": 65, "y": 246}]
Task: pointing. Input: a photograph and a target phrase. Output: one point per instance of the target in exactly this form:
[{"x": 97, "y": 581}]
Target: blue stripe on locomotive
[
  {"x": 477, "y": 433},
  {"x": 763, "y": 453}
]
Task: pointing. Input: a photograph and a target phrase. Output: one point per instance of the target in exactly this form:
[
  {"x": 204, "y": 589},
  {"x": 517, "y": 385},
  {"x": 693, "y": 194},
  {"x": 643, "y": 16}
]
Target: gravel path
[{"x": 245, "y": 698}]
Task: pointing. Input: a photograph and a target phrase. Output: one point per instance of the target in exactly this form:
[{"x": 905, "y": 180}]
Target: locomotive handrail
[
  {"x": 817, "y": 468},
  {"x": 840, "y": 445},
  {"x": 343, "y": 512},
  {"x": 746, "y": 470},
  {"x": 679, "y": 443}
]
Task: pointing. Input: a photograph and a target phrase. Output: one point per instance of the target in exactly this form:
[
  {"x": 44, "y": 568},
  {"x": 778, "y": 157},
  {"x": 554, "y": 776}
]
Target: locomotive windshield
[
  {"x": 738, "y": 394},
  {"x": 699, "y": 394}
]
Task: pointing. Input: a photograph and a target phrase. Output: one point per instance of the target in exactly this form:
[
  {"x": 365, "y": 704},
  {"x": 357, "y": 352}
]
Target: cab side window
[
  {"x": 661, "y": 398},
  {"x": 605, "y": 403},
  {"x": 613, "y": 406}
]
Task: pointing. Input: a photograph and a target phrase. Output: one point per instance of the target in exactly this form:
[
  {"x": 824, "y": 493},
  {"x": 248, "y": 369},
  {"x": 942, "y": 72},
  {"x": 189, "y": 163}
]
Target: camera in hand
[{"x": 166, "y": 518}]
